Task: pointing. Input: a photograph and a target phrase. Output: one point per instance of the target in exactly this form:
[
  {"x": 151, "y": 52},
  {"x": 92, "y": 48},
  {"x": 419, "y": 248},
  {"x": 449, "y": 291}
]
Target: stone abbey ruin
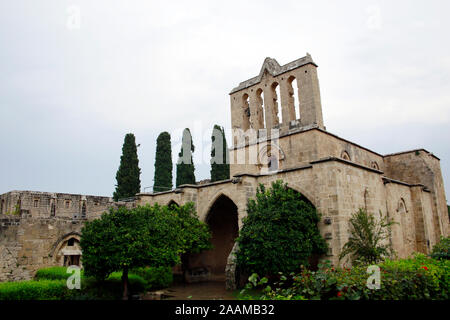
[{"x": 278, "y": 133}]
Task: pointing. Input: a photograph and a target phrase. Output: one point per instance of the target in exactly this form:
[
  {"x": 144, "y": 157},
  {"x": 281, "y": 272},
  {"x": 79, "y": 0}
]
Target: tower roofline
[{"x": 273, "y": 67}]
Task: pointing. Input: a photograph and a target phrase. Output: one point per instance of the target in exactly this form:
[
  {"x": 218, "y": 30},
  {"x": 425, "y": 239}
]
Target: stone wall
[
  {"x": 34, "y": 236},
  {"x": 27, "y": 244},
  {"x": 422, "y": 167},
  {"x": 47, "y": 204},
  {"x": 337, "y": 188}
]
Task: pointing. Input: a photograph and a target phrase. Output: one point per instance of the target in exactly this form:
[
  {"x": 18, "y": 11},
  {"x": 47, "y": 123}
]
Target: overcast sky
[{"x": 76, "y": 76}]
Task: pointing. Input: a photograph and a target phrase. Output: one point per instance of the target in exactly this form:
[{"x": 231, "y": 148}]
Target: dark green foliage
[
  {"x": 195, "y": 233},
  {"x": 53, "y": 273},
  {"x": 140, "y": 280},
  {"x": 367, "y": 242},
  {"x": 35, "y": 290},
  {"x": 155, "y": 277},
  {"x": 128, "y": 182},
  {"x": 123, "y": 238},
  {"x": 163, "y": 164},
  {"x": 220, "y": 166},
  {"x": 441, "y": 250},
  {"x": 419, "y": 278},
  {"x": 280, "y": 232},
  {"x": 126, "y": 239},
  {"x": 185, "y": 164}
]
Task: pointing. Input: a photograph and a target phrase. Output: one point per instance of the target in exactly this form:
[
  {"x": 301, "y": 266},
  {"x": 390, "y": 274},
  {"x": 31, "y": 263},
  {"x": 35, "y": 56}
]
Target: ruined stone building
[
  {"x": 278, "y": 133},
  {"x": 41, "y": 229}
]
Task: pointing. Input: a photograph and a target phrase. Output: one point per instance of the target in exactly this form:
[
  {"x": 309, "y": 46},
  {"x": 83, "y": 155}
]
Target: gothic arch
[
  {"x": 304, "y": 193},
  {"x": 172, "y": 202},
  {"x": 277, "y": 111},
  {"x": 222, "y": 218},
  {"x": 216, "y": 196},
  {"x": 61, "y": 240},
  {"x": 345, "y": 156},
  {"x": 293, "y": 99},
  {"x": 261, "y": 109},
  {"x": 401, "y": 206},
  {"x": 374, "y": 165},
  {"x": 246, "y": 112}
]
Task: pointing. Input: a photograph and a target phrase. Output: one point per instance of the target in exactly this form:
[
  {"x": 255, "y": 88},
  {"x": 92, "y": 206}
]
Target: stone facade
[
  {"x": 42, "y": 229},
  {"x": 337, "y": 176},
  {"x": 278, "y": 133}
]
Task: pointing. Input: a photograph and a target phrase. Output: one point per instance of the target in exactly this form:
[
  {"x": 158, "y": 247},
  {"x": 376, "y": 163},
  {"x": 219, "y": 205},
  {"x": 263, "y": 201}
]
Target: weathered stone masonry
[
  {"x": 41, "y": 229},
  {"x": 336, "y": 175},
  {"x": 270, "y": 142}
]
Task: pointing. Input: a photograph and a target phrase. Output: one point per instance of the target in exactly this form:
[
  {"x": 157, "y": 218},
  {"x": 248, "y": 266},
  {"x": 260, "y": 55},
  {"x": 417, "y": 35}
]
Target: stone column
[
  {"x": 287, "y": 102},
  {"x": 309, "y": 96}
]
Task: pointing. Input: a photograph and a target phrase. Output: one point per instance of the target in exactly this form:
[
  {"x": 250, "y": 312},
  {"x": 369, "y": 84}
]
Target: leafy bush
[
  {"x": 155, "y": 277},
  {"x": 93, "y": 289},
  {"x": 53, "y": 273},
  {"x": 418, "y": 278},
  {"x": 441, "y": 250},
  {"x": 280, "y": 232},
  {"x": 34, "y": 290},
  {"x": 125, "y": 239},
  {"x": 109, "y": 289},
  {"x": 367, "y": 242}
]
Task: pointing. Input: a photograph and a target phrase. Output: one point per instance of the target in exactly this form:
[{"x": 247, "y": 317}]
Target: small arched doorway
[
  {"x": 222, "y": 219},
  {"x": 172, "y": 203},
  {"x": 67, "y": 250}
]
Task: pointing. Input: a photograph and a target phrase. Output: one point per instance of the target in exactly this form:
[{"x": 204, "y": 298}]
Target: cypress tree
[
  {"x": 220, "y": 166},
  {"x": 127, "y": 176},
  {"x": 185, "y": 164},
  {"x": 163, "y": 163}
]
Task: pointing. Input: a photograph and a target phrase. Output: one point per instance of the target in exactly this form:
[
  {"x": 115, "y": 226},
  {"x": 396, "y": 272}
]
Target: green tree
[
  {"x": 441, "y": 250},
  {"x": 280, "y": 232},
  {"x": 185, "y": 164},
  {"x": 163, "y": 164},
  {"x": 220, "y": 166},
  {"x": 196, "y": 233},
  {"x": 369, "y": 238},
  {"x": 124, "y": 239},
  {"x": 127, "y": 176}
]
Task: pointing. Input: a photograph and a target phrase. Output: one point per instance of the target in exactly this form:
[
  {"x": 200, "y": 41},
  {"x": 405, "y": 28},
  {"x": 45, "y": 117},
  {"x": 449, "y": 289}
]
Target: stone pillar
[
  {"x": 287, "y": 102},
  {"x": 231, "y": 274},
  {"x": 421, "y": 245},
  {"x": 270, "y": 107},
  {"x": 309, "y": 96},
  {"x": 245, "y": 112},
  {"x": 256, "y": 111}
]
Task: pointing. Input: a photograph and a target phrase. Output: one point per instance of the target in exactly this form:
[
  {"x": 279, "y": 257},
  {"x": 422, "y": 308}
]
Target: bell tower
[{"x": 280, "y": 97}]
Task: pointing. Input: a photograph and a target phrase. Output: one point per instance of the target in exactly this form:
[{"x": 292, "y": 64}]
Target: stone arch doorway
[
  {"x": 67, "y": 251},
  {"x": 222, "y": 219},
  {"x": 172, "y": 203}
]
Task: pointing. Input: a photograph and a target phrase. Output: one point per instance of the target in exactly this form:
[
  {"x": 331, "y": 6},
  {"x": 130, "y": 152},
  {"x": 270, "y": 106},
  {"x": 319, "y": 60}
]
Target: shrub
[
  {"x": 34, "y": 290},
  {"x": 441, "y": 250},
  {"x": 53, "y": 273},
  {"x": 91, "y": 288},
  {"x": 155, "y": 277},
  {"x": 418, "y": 278},
  {"x": 125, "y": 239},
  {"x": 280, "y": 232},
  {"x": 368, "y": 238}
]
